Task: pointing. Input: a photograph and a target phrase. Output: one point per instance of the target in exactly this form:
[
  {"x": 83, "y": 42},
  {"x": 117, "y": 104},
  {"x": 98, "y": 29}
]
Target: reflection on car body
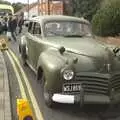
[{"x": 71, "y": 65}]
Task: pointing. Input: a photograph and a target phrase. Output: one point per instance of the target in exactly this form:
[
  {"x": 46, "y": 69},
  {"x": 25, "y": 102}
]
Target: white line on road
[{"x": 38, "y": 113}]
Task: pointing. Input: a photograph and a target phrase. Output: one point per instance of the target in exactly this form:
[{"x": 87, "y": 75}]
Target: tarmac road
[{"x": 61, "y": 111}]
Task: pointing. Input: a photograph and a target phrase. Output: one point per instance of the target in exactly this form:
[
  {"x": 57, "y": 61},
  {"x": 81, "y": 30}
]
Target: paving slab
[{"x": 5, "y": 107}]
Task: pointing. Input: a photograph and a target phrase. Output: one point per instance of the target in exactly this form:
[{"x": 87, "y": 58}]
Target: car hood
[
  {"x": 84, "y": 45},
  {"x": 92, "y": 54}
]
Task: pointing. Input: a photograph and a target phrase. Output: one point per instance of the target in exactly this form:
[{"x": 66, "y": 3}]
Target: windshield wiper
[{"x": 73, "y": 35}]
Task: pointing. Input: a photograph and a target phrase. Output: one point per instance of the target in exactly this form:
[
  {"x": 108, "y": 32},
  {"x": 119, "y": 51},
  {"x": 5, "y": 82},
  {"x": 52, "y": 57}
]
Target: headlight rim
[{"x": 71, "y": 78}]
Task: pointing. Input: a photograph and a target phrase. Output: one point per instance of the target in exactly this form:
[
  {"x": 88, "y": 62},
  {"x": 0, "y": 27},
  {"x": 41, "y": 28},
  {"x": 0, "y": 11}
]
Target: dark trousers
[
  {"x": 20, "y": 29},
  {"x": 13, "y": 35}
]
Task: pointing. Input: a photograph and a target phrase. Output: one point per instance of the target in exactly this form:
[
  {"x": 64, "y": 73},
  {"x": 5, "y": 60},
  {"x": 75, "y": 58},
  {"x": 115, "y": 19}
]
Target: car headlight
[{"x": 68, "y": 74}]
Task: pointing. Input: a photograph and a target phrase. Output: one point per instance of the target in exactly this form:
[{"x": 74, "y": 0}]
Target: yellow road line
[
  {"x": 38, "y": 113},
  {"x": 22, "y": 90}
]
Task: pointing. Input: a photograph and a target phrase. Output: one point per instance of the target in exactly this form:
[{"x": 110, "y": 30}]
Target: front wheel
[
  {"x": 48, "y": 98},
  {"x": 46, "y": 94}
]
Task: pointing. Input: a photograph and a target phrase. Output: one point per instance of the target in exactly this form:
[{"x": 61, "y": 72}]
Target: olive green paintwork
[{"x": 43, "y": 52}]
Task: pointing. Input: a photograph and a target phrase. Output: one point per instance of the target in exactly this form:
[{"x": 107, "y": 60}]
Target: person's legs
[
  {"x": 16, "y": 32},
  {"x": 20, "y": 29},
  {"x": 13, "y": 35}
]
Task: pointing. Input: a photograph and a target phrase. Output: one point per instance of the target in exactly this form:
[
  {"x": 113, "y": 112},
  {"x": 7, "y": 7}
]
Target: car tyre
[
  {"x": 46, "y": 94},
  {"x": 48, "y": 98}
]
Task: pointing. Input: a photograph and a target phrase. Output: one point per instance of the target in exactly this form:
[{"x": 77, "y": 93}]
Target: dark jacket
[
  {"x": 12, "y": 24},
  {"x": 20, "y": 21}
]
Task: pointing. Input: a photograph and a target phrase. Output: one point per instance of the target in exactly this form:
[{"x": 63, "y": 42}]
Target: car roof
[{"x": 45, "y": 18}]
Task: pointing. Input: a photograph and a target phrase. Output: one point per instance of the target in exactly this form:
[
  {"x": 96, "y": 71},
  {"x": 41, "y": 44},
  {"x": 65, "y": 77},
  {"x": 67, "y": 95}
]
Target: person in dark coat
[
  {"x": 5, "y": 25},
  {"x": 21, "y": 22},
  {"x": 12, "y": 23},
  {"x": 15, "y": 24}
]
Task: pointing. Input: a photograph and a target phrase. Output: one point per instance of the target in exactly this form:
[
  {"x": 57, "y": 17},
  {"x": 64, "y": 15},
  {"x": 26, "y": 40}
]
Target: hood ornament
[{"x": 108, "y": 66}]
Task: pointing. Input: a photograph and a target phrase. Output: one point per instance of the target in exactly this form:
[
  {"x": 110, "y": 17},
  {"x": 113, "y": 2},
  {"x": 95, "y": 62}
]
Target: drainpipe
[
  {"x": 38, "y": 7},
  {"x": 28, "y": 9},
  {"x": 48, "y": 7}
]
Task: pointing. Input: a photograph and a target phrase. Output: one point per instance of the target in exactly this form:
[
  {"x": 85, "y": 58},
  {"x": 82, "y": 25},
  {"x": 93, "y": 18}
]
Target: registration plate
[{"x": 72, "y": 87}]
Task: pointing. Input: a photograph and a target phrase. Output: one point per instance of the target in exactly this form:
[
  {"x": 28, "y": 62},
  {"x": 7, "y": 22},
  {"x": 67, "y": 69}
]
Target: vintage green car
[{"x": 72, "y": 66}]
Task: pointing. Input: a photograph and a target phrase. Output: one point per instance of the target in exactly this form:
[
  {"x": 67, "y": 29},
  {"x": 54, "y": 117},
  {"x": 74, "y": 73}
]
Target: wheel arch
[{"x": 39, "y": 73}]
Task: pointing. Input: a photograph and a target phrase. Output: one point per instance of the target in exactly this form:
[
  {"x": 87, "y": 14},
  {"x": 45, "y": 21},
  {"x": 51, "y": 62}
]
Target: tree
[
  {"x": 85, "y": 8},
  {"x": 107, "y": 20},
  {"x": 18, "y": 6},
  {"x": 5, "y": 2}
]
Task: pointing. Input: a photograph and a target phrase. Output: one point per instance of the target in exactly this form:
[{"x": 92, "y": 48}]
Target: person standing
[
  {"x": 21, "y": 22},
  {"x": 14, "y": 22},
  {"x": 12, "y": 27},
  {"x": 5, "y": 24}
]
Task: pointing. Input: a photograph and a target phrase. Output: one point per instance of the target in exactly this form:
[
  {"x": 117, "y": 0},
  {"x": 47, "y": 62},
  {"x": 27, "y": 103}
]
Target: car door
[{"x": 34, "y": 43}]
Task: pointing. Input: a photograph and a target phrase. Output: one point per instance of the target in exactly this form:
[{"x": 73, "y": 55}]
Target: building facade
[{"x": 54, "y": 7}]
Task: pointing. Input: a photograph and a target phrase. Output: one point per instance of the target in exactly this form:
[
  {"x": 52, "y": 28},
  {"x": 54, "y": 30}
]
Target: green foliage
[
  {"x": 85, "y": 8},
  {"x": 18, "y": 6},
  {"x": 107, "y": 20},
  {"x": 5, "y": 2}
]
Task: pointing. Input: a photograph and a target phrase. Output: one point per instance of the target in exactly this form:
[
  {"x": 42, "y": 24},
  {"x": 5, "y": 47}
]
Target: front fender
[
  {"x": 51, "y": 61},
  {"x": 23, "y": 40}
]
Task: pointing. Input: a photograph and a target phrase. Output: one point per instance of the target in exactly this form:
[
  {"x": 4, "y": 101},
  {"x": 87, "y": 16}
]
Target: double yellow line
[{"x": 13, "y": 60}]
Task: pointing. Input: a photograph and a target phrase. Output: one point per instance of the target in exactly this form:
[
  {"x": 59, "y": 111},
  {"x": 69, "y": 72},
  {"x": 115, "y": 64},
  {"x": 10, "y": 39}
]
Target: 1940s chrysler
[{"x": 71, "y": 65}]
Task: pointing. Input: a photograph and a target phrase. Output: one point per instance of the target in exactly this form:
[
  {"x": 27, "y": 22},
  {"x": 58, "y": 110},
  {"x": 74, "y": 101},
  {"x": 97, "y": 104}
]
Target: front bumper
[{"x": 78, "y": 99}]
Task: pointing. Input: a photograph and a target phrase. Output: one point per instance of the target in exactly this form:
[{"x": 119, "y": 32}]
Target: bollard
[{"x": 24, "y": 110}]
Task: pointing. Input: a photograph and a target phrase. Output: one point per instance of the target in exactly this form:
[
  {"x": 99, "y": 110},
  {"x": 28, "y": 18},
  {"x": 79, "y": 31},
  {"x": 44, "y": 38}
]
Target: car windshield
[{"x": 67, "y": 29}]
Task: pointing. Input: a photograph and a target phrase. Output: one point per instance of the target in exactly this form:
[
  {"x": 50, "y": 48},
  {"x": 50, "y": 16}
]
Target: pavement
[{"x": 5, "y": 106}]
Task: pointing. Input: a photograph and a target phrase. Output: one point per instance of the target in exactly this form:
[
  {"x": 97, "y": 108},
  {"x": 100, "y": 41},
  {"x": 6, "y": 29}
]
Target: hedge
[{"x": 106, "y": 22}]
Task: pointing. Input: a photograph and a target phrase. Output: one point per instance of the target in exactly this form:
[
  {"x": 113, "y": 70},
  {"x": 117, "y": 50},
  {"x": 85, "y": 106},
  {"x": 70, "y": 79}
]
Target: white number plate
[{"x": 71, "y": 87}]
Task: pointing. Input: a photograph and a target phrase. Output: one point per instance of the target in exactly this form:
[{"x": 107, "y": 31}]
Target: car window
[
  {"x": 37, "y": 29},
  {"x": 30, "y": 27},
  {"x": 64, "y": 28}
]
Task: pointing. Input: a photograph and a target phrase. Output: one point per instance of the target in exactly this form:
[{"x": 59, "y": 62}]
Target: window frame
[
  {"x": 30, "y": 27},
  {"x": 36, "y": 28}
]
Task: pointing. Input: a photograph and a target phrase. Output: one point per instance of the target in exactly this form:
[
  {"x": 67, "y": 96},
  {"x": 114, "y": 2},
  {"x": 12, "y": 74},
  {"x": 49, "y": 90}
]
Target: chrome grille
[
  {"x": 115, "y": 82},
  {"x": 94, "y": 83},
  {"x": 97, "y": 83}
]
